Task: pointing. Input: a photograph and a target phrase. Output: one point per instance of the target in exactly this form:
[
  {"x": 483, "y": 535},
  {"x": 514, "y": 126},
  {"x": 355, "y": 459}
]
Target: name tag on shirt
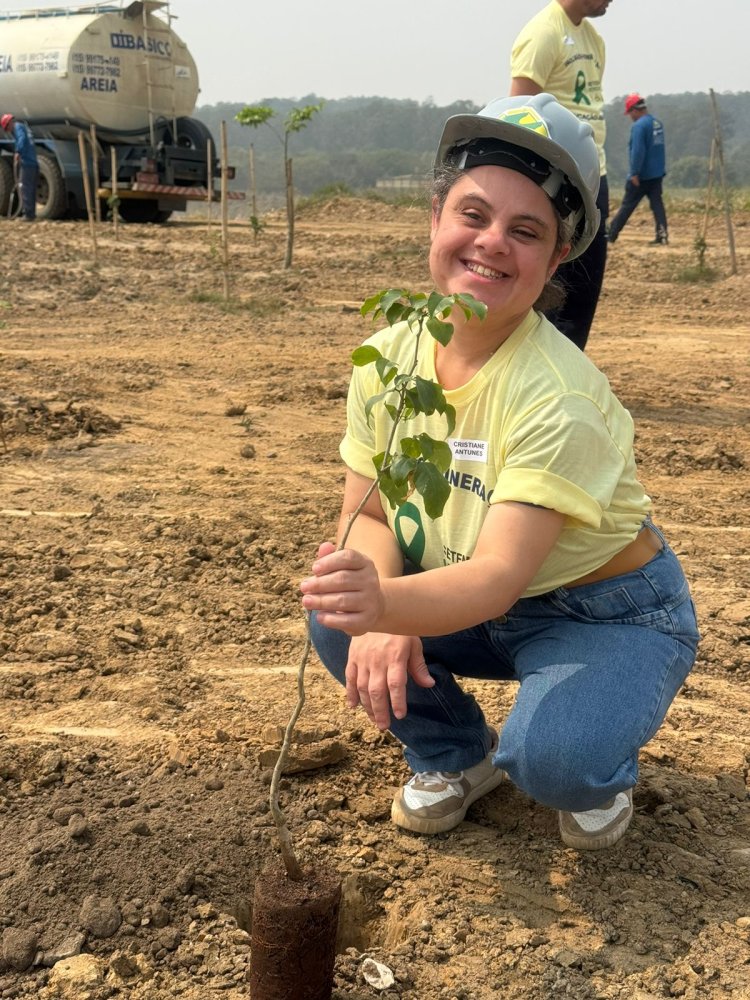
[{"x": 473, "y": 451}]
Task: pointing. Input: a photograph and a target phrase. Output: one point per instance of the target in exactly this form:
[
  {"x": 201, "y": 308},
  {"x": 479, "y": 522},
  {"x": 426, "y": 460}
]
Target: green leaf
[
  {"x": 428, "y": 393},
  {"x": 434, "y": 451},
  {"x": 386, "y": 369},
  {"x": 438, "y": 304},
  {"x": 449, "y": 412},
  {"x": 445, "y": 408},
  {"x": 471, "y": 306},
  {"x": 433, "y": 488},
  {"x": 371, "y": 304},
  {"x": 417, "y": 300},
  {"x": 395, "y": 493},
  {"x": 411, "y": 397},
  {"x": 442, "y": 332},
  {"x": 254, "y": 115},
  {"x": 365, "y": 355},
  {"x": 391, "y": 295},
  {"x": 396, "y": 313},
  {"x": 298, "y": 118},
  {"x": 411, "y": 447},
  {"x": 372, "y": 402},
  {"x": 402, "y": 467}
]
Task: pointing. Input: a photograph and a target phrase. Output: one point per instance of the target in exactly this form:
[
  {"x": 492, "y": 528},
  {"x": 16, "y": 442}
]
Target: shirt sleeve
[
  {"x": 562, "y": 455},
  {"x": 359, "y": 443},
  {"x": 534, "y": 55}
]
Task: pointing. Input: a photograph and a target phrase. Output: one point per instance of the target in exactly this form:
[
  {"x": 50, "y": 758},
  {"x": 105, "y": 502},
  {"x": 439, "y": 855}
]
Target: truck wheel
[
  {"x": 51, "y": 194},
  {"x": 6, "y": 185},
  {"x": 192, "y": 134},
  {"x": 138, "y": 210}
]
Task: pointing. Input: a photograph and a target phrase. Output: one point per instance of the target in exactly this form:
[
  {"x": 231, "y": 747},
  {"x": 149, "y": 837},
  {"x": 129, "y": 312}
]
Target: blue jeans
[
  {"x": 582, "y": 280},
  {"x": 632, "y": 198},
  {"x": 28, "y": 177},
  {"x": 598, "y": 666}
]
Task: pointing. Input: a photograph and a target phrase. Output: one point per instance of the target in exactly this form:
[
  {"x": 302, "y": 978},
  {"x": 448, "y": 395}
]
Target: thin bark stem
[
  {"x": 294, "y": 871},
  {"x": 292, "y": 865}
]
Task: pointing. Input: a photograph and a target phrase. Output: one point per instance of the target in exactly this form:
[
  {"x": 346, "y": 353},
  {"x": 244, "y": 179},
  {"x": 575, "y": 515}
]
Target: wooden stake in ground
[
  {"x": 289, "y": 213},
  {"x": 225, "y": 209},
  {"x": 87, "y": 193},
  {"x": 252, "y": 192},
  {"x": 722, "y": 174},
  {"x": 95, "y": 166},
  {"x": 709, "y": 189},
  {"x": 115, "y": 198}
]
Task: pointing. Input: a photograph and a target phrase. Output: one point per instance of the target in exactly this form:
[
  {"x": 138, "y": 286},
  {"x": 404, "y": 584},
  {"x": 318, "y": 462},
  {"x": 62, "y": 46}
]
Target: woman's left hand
[{"x": 344, "y": 590}]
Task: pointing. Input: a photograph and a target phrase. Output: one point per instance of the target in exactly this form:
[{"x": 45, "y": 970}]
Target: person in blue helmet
[
  {"x": 545, "y": 568},
  {"x": 26, "y": 161},
  {"x": 647, "y": 155}
]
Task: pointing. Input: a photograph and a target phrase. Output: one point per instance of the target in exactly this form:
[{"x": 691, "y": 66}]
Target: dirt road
[{"x": 168, "y": 469}]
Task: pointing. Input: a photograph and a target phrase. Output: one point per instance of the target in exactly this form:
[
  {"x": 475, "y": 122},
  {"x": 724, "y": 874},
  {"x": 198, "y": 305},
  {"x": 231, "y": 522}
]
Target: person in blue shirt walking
[
  {"x": 26, "y": 159},
  {"x": 647, "y": 170}
]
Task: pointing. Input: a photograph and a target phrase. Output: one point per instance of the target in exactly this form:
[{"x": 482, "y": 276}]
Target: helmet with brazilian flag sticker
[{"x": 541, "y": 139}]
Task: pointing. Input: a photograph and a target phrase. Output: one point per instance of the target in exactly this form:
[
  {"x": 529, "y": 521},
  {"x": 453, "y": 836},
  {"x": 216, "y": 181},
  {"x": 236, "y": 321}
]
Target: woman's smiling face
[{"x": 496, "y": 239}]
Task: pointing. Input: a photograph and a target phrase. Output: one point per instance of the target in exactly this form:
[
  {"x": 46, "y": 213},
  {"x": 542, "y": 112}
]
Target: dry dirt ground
[{"x": 168, "y": 468}]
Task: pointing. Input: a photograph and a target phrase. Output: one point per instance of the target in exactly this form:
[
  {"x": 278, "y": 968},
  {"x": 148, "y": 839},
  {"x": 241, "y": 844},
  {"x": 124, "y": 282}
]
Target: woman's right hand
[{"x": 377, "y": 671}]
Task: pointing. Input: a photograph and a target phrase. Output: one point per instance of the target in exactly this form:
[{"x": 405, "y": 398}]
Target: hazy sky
[{"x": 247, "y": 50}]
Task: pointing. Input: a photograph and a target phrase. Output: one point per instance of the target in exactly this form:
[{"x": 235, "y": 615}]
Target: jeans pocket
[{"x": 656, "y": 596}]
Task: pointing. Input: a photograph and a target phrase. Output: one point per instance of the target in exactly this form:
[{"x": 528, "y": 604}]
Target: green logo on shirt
[
  {"x": 580, "y": 97},
  {"x": 410, "y": 533}
]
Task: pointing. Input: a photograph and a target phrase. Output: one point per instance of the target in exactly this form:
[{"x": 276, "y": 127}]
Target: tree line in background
[{"x": 360, "y": 141}]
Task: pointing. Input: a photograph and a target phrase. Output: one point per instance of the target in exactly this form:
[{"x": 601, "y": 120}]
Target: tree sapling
[
  {"x": 290, "y": 904},
  {"x": 295, "y": 121}
]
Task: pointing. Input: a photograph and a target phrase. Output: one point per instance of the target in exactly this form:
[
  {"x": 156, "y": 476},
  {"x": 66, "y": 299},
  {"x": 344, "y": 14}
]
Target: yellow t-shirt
[
  {"x": 567, "y": 61},
  {"x": 539, "y": 424}
]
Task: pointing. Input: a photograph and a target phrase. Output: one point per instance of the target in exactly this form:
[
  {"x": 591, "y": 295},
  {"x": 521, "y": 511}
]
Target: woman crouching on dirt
[{"x": 545, "y": 567}]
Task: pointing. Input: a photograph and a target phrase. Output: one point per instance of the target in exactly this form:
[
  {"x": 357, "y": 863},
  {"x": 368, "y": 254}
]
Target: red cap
[
  {"x": 5, "y": 121},
  {"x": 634, "y": 102}
]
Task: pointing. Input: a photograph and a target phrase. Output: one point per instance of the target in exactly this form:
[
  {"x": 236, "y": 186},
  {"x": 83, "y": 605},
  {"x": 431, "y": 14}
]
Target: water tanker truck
[{"x": 119, "y": 68}]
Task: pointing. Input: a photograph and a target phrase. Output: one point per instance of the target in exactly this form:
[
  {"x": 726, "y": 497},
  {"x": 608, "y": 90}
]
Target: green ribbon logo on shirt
[
  {"x": 410, "y": 533},
  {"x": 580, "y": 96}
]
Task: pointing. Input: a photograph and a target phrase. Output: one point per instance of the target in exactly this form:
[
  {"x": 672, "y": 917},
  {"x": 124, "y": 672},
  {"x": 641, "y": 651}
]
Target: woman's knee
[{"x": 570, "y": 775}]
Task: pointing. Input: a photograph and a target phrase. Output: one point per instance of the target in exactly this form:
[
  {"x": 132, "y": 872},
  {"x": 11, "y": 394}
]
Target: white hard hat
[{"x": 538, "y": 137}]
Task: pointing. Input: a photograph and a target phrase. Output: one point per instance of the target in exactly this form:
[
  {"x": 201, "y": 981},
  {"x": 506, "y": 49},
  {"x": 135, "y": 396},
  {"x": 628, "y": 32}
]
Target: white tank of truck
[
  {"x": 116, "y": 75},
  {"x": 115, "y": 66}
]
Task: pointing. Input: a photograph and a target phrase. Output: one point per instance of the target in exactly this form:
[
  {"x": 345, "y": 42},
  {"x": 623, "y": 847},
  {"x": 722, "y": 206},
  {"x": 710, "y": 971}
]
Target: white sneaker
[
  {"x": 436, "y": 801},
  {"x": 597, "y": 828}
]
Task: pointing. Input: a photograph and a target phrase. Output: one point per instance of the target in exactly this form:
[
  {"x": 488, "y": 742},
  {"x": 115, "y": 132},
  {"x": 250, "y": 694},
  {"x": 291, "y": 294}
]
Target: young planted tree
[
  {"x": 296, "y": 904},
  {"x": 295, "y": 121}
]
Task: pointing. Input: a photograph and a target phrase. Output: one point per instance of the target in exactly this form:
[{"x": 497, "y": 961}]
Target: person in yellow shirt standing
[{"x": 559, "y": 52}]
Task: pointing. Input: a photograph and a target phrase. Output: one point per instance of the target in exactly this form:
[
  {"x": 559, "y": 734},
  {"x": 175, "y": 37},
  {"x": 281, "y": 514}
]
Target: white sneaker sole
[
  {"x": 418, "y": 824},
  {"x": 593, "y": 841}
]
